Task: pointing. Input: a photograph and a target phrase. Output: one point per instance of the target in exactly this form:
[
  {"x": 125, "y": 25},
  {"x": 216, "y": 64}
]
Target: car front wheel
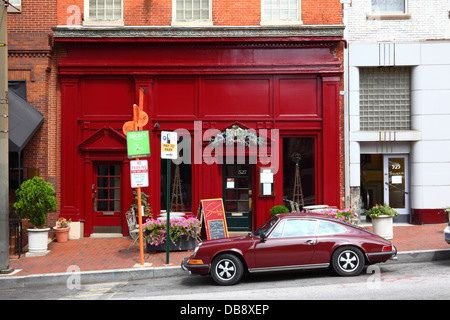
[
  {"x": 348, "y": 261},
  {"x": 227, "y": 269}
]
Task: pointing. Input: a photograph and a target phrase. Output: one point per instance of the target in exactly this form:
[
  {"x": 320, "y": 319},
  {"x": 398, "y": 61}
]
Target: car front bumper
[{"x": 196, "y": 268}]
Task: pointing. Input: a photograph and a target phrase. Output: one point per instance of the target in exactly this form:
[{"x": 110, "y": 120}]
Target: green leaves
[{"x": 36, "y": 198}]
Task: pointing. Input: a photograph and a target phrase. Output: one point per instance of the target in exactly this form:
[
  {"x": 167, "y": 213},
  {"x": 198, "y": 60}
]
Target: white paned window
[
  {"x": 275, "y": 12},
  {"x": 105, "y": 12},
  {"x": 191, "y": 12},
  {"x": 16, "y": 6},
  {"x": 385, "y": 98},
  {"x": 389, "y": 6}
]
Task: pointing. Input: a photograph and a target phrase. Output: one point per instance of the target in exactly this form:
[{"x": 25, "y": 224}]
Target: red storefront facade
[{"x": 281, "y": 83}]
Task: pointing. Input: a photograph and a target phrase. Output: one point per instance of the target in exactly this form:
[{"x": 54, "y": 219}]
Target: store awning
[{"x": 23, "y": 121}]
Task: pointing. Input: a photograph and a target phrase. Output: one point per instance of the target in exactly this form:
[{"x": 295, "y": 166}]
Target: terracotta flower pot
[{"x": 62, "y": 234}]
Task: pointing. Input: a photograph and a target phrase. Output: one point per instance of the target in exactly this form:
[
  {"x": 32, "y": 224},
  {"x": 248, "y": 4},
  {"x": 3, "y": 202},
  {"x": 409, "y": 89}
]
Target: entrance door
[
  {"x": 106, "y": 193},
  {"x": 237, "y": 194},
  {"x": 396, "y": 182}
]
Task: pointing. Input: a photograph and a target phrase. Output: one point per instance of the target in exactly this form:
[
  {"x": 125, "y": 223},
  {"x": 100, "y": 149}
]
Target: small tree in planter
[
  {"x": 36, "y": 198},
  {"x": 382, "y": 220}
]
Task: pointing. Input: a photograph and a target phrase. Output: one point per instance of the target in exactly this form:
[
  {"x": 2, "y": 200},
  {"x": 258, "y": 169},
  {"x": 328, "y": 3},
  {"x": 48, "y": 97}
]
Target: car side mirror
[{"x": 262, "y": 237}]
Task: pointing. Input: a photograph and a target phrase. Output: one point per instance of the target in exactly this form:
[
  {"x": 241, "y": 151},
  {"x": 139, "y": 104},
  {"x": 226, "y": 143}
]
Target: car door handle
[{"x": 310, "y": 242}]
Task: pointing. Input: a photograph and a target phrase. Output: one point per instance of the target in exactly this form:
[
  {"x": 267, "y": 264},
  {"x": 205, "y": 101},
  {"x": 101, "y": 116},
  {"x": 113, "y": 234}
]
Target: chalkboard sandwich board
[{"x": 214, "y": 217}]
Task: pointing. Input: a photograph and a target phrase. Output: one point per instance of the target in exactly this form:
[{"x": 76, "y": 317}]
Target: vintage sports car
[{"x": 290, "y": 242}]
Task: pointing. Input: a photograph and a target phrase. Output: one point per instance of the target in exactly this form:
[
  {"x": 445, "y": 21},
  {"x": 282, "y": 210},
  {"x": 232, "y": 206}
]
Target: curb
[
  {"x": 142, "y": 273},
  {"x": 421, "y": 256},
  {"x": 89, "y": 277}
]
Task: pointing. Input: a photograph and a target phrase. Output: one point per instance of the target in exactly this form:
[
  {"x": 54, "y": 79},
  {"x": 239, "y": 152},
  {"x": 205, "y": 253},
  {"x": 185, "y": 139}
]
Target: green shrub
[
  {"x": 36, "y": 198},
  {"x": 278, "y": 209}
]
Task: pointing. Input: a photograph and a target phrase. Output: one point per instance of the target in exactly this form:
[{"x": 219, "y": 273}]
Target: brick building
[
  {"x": 32, "y": 77},
  {"x": 269, "y": 71}
]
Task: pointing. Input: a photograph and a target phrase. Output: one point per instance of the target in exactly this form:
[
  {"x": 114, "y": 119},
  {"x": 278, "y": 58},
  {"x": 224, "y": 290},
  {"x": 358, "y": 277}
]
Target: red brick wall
[
  {"x": 30, "y": 59},
  {"x": 225, "y": 12}
]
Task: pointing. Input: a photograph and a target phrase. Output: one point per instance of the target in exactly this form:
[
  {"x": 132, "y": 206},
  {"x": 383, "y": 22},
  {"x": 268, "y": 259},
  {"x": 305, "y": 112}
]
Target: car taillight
[{"x": 387, "y": 248}]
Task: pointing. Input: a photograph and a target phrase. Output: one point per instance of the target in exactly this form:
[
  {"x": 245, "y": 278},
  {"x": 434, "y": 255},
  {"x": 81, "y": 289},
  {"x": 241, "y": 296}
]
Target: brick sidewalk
[{"x": 91, "y": 254}]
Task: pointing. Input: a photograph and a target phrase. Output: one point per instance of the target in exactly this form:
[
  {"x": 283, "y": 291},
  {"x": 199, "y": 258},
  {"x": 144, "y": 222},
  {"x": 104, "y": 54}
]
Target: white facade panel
[
  {"x": 431, "y": 77},
  {"x": 425, "y": 151},
  {"x": 430, "y": 102},
  {"x": 436, "y": 53},
  {"x": 407, "y": 54}
]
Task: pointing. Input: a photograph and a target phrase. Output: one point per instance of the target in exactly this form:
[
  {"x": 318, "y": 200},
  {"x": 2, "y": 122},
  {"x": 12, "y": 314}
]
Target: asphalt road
[{"x": 429, "y": 280}]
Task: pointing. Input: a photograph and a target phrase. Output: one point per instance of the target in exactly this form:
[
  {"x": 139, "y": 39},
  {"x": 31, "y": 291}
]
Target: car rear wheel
[
  {"x": 227, "y": 269},
  {"x": 348, "y": 261}
]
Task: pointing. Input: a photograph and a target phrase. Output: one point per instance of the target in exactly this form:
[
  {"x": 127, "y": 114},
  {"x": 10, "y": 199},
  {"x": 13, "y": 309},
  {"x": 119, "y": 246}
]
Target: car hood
[{"x": 228, "y": 240}]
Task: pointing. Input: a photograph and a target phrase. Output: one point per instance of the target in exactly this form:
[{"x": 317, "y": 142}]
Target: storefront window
[
  {"x": 299, "y": 185},
  {"x": 180, "y": 189}
]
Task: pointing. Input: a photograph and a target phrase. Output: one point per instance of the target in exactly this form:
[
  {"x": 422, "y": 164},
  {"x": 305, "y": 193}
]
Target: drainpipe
[{"x": 345, "y": 6}]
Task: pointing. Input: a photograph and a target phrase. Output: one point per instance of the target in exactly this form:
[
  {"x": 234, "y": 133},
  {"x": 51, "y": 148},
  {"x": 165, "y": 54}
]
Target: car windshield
[{"x": 265, "y": 228}]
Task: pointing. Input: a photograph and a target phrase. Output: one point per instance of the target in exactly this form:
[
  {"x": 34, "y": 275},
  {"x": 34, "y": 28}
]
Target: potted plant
[
  {"x": 183, "y": 234},
  {"x": 144, "y": 203},
  {"x": 447, "y": 213},
  {"x": 36, "y": 198},
  {"x": 62, "y": 229},
  {"x": 278, "y": 209},
  {"x": 382, "y": 220}
]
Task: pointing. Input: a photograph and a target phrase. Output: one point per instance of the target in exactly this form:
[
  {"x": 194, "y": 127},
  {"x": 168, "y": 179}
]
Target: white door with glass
[{"x": 396, "y": 182}]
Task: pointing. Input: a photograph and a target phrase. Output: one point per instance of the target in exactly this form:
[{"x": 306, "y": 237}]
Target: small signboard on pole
[
  {"x": 169, "y": 151},
  {"x": 169, "y": 145},
  {"x": 139, "y": 173},
  {"x": 138, "y": 144}
]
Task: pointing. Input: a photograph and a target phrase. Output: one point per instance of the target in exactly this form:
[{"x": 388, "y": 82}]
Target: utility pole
[{"x": 4, "y": 167}]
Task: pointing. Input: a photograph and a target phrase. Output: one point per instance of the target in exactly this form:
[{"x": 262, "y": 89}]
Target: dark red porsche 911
[{"x": 290, "y": 242}]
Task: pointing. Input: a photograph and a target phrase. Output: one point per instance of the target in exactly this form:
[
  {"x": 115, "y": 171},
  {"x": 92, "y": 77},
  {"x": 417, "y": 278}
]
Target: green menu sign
[{"x": 138, "y": 144}]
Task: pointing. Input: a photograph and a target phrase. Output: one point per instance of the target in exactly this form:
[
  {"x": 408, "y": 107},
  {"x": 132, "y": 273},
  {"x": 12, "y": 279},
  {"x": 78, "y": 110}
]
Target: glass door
[
  {"x": 396, "y": 182},
  {"x": 106, "y": 195},
  {"x": 237, "y": 194}
]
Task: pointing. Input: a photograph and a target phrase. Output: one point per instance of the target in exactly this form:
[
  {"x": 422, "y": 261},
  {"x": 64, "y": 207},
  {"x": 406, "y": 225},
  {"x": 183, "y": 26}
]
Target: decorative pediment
[
  {"x": 105, "y": 139},
  {"x": 238, "y": 134}
]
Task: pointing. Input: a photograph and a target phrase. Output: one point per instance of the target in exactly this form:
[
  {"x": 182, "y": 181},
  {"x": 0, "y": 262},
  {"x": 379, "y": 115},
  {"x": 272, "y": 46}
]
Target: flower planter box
[{"x": 182, "y": 244}]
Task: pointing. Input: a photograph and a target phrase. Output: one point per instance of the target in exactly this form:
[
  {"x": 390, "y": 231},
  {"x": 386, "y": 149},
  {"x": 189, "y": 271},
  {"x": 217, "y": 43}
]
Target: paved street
[{"x": 387, "y": 281}]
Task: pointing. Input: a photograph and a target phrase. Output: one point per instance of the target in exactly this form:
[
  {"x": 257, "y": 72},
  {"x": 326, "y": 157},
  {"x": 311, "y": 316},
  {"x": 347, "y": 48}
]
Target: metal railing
[{"x": 15, "y": 234}]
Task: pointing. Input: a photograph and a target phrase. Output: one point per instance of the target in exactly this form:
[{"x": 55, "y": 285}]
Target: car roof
[{"x": 306, "y": 215}]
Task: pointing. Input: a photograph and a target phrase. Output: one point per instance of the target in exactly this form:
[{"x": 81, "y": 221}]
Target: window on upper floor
[
  {"x": 385, "y": 98},
  {"x": 16, "y": 6},
  {"x": 191, "y": 12},
  {"x": 103, "y": 12},
  {"x": 280, "y": 12},
  {"x": 389, "y": 6}
]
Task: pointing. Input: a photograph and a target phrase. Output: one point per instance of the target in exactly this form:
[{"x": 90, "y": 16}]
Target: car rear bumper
[
  {"x": 447, "y": 234},
  {"x": 194, "y": 268},
  {"x": 375, "y": 257}
]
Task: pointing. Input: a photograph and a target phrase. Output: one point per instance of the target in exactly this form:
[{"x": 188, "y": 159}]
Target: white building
[{"x": 397, "y": 94}]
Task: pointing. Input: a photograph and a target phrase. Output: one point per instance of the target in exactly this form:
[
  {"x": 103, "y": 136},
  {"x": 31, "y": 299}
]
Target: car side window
[
  {"x": 278, "y": 231},
  {"x": 326, "y": 227},
  {"x": 295, "y": 228}
]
